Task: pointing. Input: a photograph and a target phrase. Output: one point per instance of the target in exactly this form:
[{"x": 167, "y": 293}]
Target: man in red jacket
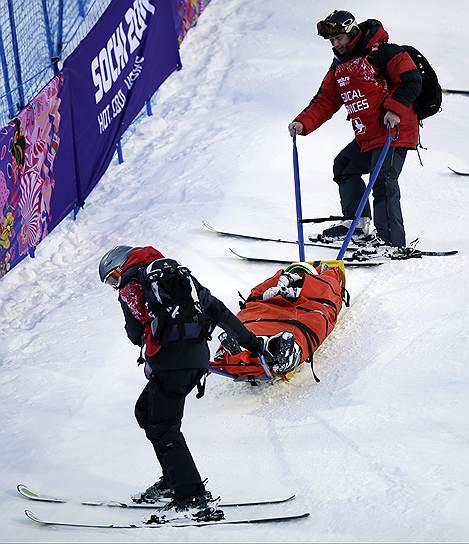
[{"x": 377, "y": 82}]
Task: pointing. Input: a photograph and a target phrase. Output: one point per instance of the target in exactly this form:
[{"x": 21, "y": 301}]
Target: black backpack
[
  {"x": 429, "y": 100},
  {"x": 172, "y": 298}
]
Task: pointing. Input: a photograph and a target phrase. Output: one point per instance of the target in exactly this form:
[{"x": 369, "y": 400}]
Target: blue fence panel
[{"x": 34, "y": 37}]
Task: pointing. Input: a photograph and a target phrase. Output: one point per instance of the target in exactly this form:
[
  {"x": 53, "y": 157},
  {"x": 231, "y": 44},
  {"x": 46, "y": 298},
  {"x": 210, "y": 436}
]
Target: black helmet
[
  {"x": 110, "y": 265},
  {"x": 338, "y": 22}
]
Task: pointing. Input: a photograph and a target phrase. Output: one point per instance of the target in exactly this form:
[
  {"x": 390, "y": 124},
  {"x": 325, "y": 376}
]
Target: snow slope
[{"x": 378, "y": 451}]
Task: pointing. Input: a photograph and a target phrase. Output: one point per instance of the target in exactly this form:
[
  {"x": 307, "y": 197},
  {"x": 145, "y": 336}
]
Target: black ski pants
[
  {"x": 159, "y": 411},
  {"x": 349, "y": 166}
]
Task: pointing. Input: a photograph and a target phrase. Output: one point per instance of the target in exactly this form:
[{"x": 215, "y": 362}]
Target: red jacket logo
[{"x": 358, "y": 126}]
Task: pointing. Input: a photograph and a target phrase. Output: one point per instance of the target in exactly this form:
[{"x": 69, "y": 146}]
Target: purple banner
[{"x": 118, "y": 67}]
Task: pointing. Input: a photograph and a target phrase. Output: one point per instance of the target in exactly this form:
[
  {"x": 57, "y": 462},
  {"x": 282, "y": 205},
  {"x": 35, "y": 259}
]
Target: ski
[
  {"x": 178, "y": 522},
  {"x": 324, "y": 219},
  {"x": 459, "y": 173},
  {"x": 456, "y": 91},
  {"x": 319, "y": 242},
  {"x": 347, "y": 260},
  {"x": 403, "y": 255},
  {"x": 313, "y": 242},
  {"x": 30, "y": 494}
]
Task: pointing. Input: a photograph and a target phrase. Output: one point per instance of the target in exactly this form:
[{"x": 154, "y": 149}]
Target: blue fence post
[
  {"x": 60, "y": 29},
  {"x": 50, "y": 44},
  {"x": 81, "y": 8},
  {"x": 6, "y": 80},
  {"x": 14, "y": 41},
  {"x": 179, "y": 63},
  {"x": 299, "y": 213},
  {"x": 120, "y": 156},
  {"x": 149, "y": 110}
]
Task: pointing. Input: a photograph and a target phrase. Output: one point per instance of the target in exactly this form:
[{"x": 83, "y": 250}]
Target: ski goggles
[
  {"x": 331, "y": 29},
  {"x": 114, "y": 278}
]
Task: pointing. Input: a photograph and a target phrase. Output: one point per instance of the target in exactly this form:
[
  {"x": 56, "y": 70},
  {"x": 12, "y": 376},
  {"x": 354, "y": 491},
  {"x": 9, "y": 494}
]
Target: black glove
[{"x": 255, "y": 345}]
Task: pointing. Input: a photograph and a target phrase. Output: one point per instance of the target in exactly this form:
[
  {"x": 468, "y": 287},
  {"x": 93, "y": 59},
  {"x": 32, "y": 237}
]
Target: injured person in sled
[{"x": 293, "y": 311}]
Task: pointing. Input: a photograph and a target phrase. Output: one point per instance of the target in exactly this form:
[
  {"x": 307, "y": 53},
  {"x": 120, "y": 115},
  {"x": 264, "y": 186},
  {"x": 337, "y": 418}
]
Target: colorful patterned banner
[
  {"x": 28, "y": 149},
  {"x": 187, "y": 15}
]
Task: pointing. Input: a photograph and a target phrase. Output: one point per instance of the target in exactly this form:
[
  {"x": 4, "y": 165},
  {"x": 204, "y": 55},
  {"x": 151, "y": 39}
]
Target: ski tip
[
  {"x": 25, "y": 491},
  {"x": 208, "y": 226},
  {"x": 458, "y": 172},
  {"x": 33, "y": 517},
  {"x": 237, "y": 254}
]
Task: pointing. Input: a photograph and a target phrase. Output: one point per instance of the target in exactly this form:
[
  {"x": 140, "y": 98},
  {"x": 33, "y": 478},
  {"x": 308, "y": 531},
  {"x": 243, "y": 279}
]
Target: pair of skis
[
  {"x": 28, "y": 493},
  {"x": 356, "y": 256}
]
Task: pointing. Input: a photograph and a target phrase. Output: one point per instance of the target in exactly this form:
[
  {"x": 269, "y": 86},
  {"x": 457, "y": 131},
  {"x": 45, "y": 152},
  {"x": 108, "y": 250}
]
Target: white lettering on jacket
[{"x": 354, "y": 101}]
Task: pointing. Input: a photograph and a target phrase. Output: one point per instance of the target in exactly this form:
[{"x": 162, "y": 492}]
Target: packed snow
[{"x": 379, "y": 450}]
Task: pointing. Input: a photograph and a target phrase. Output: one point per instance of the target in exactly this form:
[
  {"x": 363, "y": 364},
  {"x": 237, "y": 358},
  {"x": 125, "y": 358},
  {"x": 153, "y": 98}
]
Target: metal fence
[{"x": 35, "y": 37}]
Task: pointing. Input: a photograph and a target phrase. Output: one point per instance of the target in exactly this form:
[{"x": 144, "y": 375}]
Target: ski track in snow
[{"x": 378, "y": 451}]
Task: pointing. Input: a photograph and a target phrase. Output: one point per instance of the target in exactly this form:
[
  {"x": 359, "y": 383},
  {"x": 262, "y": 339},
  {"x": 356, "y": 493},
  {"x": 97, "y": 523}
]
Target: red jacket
[
  {"x": 133, "y": 302},
  {"x": 368, "y": 85}
]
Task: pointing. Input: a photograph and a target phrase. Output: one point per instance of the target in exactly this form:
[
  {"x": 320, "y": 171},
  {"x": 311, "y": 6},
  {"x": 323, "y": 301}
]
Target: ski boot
[
  {"x": 284, "y": 353},
  {"x": 227, "y": 345},
  {"x": 198, "y": 508},
  {"x": 372, "y": 246},
  {"x": 339, "y": 231},
  {"x": 155, "y": 493}
]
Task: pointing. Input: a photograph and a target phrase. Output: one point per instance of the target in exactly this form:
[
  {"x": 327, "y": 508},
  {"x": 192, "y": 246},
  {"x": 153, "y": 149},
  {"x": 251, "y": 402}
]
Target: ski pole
[
  {"x": 367, "y": 192},
  {"x": 299, "y": 224}
]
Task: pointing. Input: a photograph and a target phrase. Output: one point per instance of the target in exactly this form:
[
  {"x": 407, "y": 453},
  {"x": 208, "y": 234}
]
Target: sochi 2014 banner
[{"x": 120, "y": 64}]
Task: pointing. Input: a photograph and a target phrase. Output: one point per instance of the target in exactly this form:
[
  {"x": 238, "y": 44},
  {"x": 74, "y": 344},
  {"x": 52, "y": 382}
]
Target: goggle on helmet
[
  {"x": 338, "y": 22},
  {"x": 110, "y": 265}
]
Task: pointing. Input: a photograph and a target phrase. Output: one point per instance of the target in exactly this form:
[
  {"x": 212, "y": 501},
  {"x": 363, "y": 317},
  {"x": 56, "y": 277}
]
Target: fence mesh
[{"x": 32, "y": 34}]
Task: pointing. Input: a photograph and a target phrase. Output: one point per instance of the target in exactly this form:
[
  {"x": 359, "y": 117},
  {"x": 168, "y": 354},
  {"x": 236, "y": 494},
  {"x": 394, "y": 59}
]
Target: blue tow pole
[
  {"x": 299, "y": 213},
  {"x": 367, "y": 192}
]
